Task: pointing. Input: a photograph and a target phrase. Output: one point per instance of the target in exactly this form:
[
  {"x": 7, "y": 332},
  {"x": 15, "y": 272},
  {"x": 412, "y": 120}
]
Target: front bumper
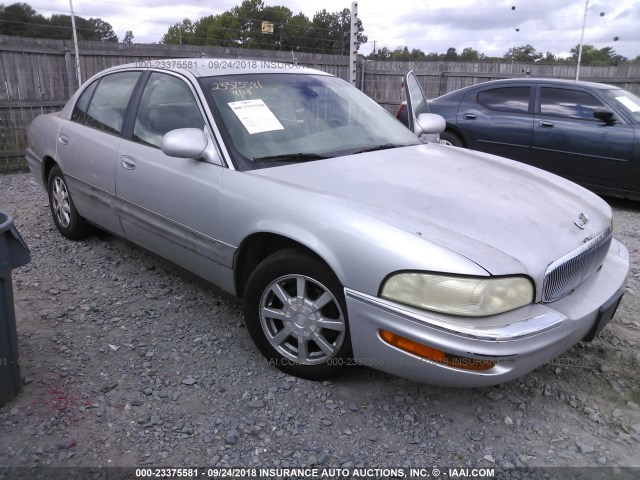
[{"x": 518, "y": 341}]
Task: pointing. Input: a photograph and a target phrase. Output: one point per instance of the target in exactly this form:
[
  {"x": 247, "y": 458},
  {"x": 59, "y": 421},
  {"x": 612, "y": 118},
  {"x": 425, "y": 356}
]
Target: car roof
[
  {"x": 554, "y": 81},
  {"x": 456, "y": 94},
  {"x": 208, "y": 67}
]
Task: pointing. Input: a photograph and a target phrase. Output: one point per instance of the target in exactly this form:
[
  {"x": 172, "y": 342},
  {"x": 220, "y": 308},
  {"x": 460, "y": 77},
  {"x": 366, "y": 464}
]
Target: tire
[
  {"x": 65, "y": 216},
  {"x": 288, "y": 329},
  {"x": 449, "y": 138}
]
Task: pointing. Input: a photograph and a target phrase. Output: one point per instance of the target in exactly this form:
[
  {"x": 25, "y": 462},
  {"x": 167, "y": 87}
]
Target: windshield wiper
[
  {"x": 384, "y": 146},
  {"x": 291, "y": 157}
]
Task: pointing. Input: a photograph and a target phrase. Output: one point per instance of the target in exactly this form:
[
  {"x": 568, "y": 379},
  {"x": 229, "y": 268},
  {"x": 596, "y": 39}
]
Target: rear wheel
[
  {"x": 449, "y": 138},
  {"x": 296, "y": 315},
  {"x": 65, "y": 216}
]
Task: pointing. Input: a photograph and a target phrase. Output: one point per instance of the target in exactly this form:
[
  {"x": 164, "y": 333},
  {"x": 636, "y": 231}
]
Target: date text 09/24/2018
[
  {"x": 314, "y": 472},
  {"x": 215, "y": 64}
]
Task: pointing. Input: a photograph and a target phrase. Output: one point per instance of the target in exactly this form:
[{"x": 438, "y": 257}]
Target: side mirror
[
  {"x": 184, "y": 143},
  {"x": 190, "y": 143},
  {"x": 431, "y": 123},
  {"x": 604, "y": 115}
]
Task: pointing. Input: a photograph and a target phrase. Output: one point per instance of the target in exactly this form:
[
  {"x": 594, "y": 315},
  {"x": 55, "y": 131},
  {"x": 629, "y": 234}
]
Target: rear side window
[
  {"x": 564, "y": 102},
  {"x": 80, "y": 111},
  {"x": 506, "y": 99},
  {"x": 109, "y": 102}
]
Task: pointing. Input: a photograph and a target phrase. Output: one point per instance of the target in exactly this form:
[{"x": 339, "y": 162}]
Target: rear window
[{"x": 506, "y": 99}]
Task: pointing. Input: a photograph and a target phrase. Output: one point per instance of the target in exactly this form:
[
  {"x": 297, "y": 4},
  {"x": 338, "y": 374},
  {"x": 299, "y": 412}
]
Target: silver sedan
[{"x": 348, "y": 239}]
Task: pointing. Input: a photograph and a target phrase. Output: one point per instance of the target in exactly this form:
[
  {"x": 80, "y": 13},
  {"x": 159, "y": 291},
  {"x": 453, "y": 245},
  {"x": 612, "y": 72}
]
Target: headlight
[{"x": 465, "y": 296}]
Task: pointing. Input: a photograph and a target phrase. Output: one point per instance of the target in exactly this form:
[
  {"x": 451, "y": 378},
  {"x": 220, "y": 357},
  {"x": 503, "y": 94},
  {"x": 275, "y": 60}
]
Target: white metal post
[
  {"x": 353, "y": 44},
  {"x": 584, "y": 23},
  {"x": 75, "y": 43}
]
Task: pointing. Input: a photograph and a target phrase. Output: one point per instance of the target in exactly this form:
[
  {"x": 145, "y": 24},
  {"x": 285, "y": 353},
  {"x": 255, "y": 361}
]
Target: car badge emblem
[{"x": 583, "y": 219}]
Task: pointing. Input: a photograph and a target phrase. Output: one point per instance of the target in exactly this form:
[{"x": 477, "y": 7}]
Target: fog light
[{"x": 435, "y": 355}]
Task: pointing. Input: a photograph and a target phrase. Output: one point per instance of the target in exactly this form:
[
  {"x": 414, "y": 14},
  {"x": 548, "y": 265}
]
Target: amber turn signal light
[{"x": 435, "y": 355}]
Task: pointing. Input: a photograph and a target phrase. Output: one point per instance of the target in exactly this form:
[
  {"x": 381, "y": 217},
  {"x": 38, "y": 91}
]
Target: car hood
[{"x": 505, "y": 216}]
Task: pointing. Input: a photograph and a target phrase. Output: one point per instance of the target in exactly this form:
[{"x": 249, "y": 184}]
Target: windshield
[
  {"x": 270, "y": 119},
  {"x": 627, "y": 101}
]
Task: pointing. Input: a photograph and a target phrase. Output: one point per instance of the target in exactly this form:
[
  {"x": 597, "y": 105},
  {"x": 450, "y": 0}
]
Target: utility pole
[
  {"x": 584, "y": 24},
  {"x": 75, "y": 43},
  {"x": 353, "y": 51}
]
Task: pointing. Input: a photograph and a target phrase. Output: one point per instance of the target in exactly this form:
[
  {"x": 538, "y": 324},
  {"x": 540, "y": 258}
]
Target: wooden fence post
[{"x": 69, "y": 69}]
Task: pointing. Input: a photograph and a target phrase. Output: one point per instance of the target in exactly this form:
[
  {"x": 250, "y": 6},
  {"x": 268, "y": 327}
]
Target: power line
[{"x": 192, "y": 36}]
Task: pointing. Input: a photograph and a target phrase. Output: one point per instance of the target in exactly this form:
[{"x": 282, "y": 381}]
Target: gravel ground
[{"x": 129, "y": 361}]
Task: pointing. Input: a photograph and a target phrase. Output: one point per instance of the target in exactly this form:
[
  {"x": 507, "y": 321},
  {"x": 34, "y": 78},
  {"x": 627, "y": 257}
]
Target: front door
[
  {"x": 170, "y": 205},
  {"x": 569, "y": 141}
]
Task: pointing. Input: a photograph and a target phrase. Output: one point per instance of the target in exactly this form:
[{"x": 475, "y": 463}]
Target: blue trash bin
[{"x": 13, "y": 254}]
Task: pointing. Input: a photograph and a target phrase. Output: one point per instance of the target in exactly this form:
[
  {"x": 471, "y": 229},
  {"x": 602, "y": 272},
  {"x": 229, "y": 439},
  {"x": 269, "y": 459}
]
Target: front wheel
[
  {"x": 65, "y": 216},
  {"x": 450, "y": 138},
  {"x": 296, "y": 315}
]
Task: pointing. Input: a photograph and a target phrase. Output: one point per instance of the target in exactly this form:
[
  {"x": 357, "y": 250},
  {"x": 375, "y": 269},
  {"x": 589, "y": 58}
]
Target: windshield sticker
[
  {"x": 630, "y": 104},
  {"x": 255, "y": 116},
  {"x": 235, "y": 85}
]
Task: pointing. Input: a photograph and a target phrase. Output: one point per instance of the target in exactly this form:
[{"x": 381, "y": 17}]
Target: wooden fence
[{"x": 38, "y": 75}]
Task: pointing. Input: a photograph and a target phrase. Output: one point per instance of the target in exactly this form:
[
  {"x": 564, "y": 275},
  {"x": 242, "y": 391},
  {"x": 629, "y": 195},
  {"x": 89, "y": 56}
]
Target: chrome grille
[{"x": 568, "y": 272}]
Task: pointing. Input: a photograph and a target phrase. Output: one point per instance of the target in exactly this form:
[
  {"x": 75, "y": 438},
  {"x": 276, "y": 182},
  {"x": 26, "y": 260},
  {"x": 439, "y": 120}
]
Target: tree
[
  {"x": 102, "y": 30},
  {"x": 417, "y": 55},
  {"x": 451, "y": 55},
  {"x": 340, "y": 32},
  {"x": 179, "y": 34},
  {"x": 550, "y": 58},
  {"x": 593, "y": 56},
  {"x": 242, "y": 27},
  {"x": 128, "y": 37},
  {"x": 296, "y": 33},
  {"x": 522, "y": 54},
  {"x": 470, "y": 55},
  {"x": 221, "y": 30},
  {"x": 19, "y": 18},
  {"x": 382, "y": 54},
  {"x": 248, "y": 14},
  {"x": 401, "y": 54}
]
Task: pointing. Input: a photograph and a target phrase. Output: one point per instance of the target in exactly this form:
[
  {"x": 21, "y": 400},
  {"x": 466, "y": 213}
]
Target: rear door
[
  {"x": 569, "y": 141},
  {"x": 498, "y": 120},
  {"x": 88, "y": 144}
]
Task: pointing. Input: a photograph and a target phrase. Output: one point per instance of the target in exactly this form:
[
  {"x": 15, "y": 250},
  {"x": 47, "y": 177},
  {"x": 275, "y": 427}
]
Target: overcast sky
[{"x": 490, "y": 26}]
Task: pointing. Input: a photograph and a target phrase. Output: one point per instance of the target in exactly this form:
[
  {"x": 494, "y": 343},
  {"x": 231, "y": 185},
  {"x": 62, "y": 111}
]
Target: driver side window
[{"x": 167, "y": 104}]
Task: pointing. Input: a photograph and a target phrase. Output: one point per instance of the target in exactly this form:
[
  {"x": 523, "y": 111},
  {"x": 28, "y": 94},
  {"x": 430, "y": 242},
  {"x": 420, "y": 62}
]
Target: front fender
[{"x": 360, "y": 249}]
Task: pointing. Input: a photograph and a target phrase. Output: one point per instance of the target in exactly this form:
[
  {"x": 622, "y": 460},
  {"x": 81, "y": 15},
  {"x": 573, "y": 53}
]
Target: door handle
[
  {"x": 127, "y": 162},
  {"x": 546, "y": 124},
  {"x": 63, "y": 139},
  {"x": 470, "y": 116}
]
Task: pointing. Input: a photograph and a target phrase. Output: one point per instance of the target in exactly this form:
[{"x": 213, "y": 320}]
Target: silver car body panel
[
  {"x": 419, "y": 208},
  {"x": 547, "y": 331},
  {"x": 476, "y": 205}
]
